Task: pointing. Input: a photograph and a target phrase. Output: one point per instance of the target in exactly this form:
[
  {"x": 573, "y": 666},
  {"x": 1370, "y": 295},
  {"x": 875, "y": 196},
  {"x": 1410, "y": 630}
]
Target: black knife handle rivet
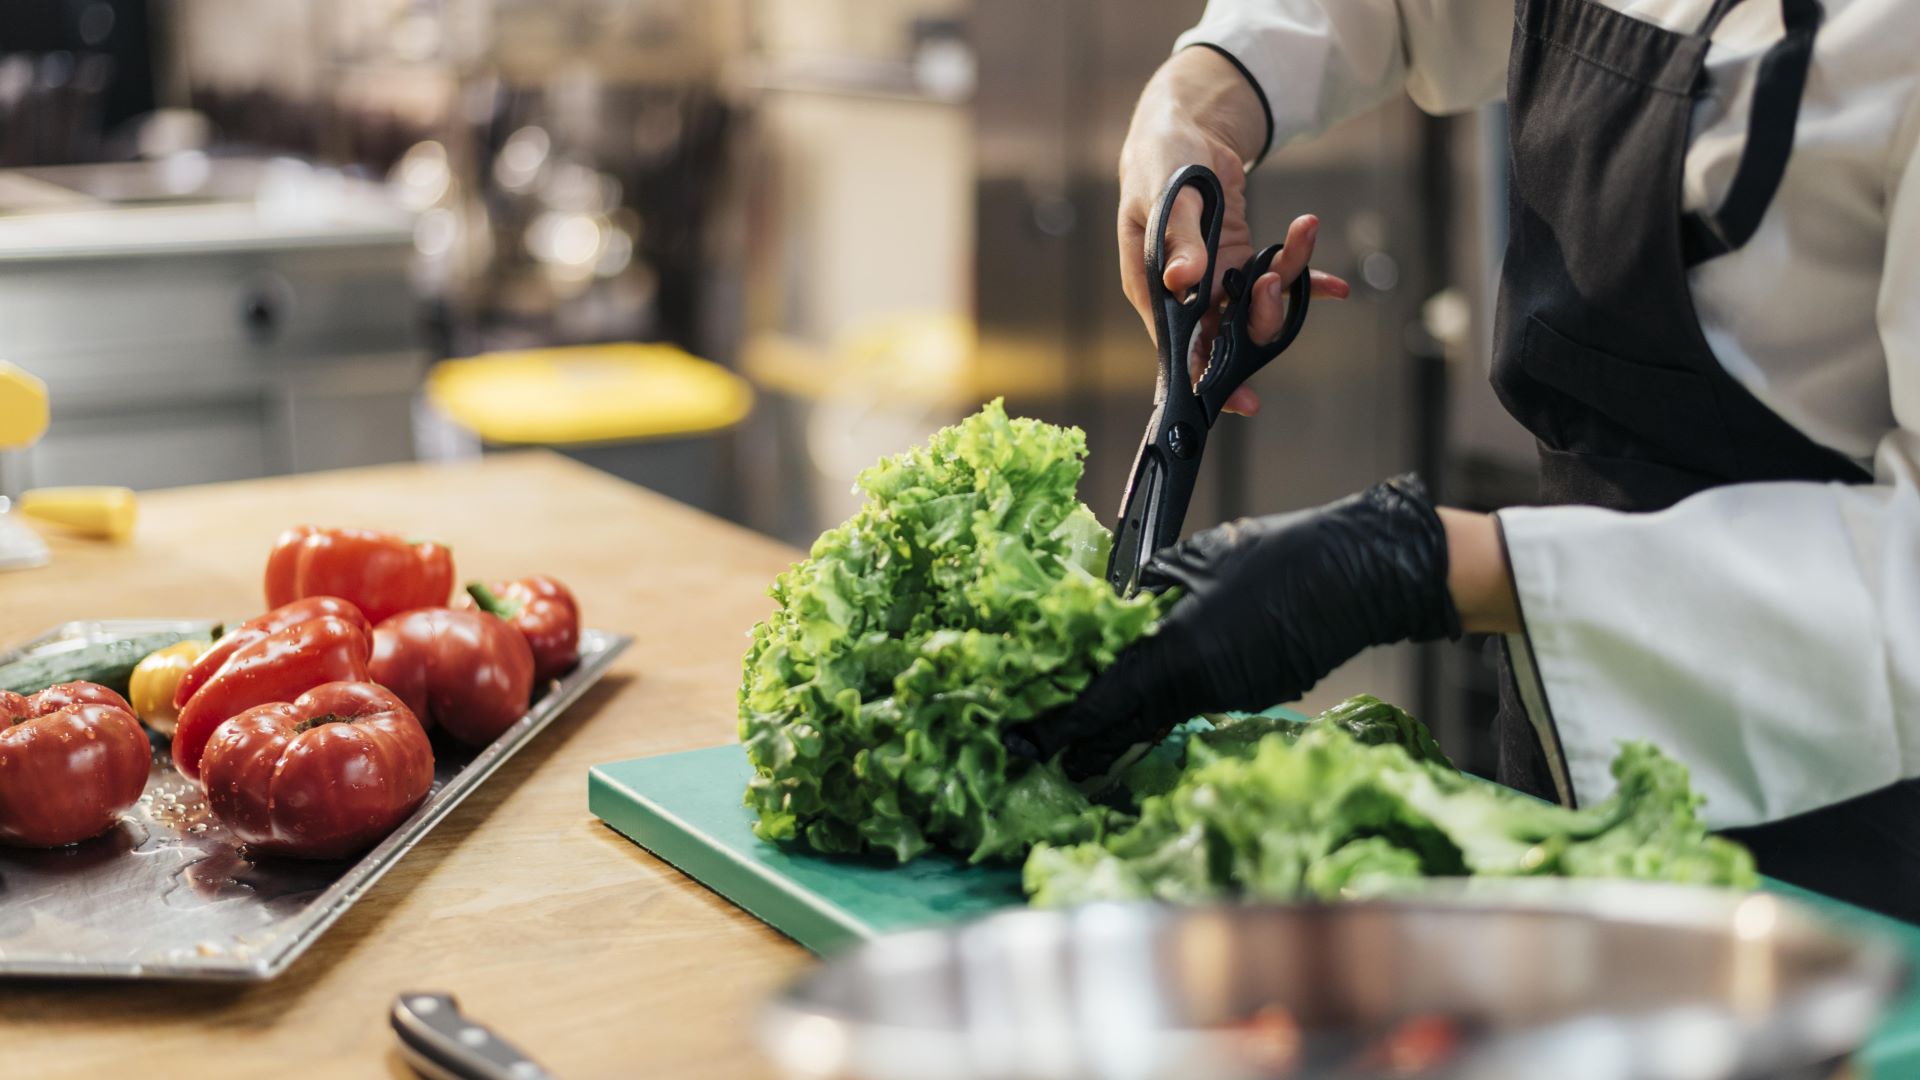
[{"x": 437, "y": 1041}]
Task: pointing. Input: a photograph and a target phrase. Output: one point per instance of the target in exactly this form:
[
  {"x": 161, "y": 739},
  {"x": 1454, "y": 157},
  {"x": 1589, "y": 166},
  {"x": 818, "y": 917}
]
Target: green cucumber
[{"x": 109, "y": 663}]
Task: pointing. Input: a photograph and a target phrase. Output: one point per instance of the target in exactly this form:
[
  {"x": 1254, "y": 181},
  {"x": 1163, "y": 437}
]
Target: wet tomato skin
[
  {"x": 380, "y": 573},
  {"x": 280, "y": 618},
  {"x": 467, "y": 672},
  {"x": 543, "y": 610},
  {"x": 324, "y": 776},
  {"x": 270, "y": 668},
  {"x": 72, "y": 760}
]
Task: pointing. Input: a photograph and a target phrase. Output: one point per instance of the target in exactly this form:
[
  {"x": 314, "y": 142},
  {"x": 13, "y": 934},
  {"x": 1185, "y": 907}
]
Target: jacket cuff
[
  {"x": 1579, "y": 750},
  {"x": 1266, "y": 109},
  {"x": 1525, "y": 668}
]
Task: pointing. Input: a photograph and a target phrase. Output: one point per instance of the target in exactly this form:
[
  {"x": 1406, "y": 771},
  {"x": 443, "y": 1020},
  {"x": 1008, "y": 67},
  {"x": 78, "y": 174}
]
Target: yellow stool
[{"x": 652, "y": 414}]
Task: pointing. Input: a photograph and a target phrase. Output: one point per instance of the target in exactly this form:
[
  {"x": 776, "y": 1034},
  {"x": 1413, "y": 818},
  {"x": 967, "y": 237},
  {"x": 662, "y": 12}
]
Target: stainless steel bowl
[{"x": 1568, "y": 981}]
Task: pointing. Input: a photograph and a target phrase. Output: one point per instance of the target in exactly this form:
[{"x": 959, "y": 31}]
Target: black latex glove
[{"x": 1268, "y": 606}]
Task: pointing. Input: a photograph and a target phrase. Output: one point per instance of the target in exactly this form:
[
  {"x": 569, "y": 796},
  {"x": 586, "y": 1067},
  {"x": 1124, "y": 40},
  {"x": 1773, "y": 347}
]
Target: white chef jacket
[{"x": 1766, "y": 634}]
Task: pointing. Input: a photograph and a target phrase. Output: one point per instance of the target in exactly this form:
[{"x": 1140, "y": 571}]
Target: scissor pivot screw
[{"x": 1180, "y": 440}]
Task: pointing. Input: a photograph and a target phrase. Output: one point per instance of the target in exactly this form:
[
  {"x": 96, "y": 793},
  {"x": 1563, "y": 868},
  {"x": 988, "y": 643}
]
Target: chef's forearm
[{"x": 1477, "y": 573}]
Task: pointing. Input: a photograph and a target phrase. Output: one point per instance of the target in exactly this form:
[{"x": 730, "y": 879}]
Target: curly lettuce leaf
[
  {"x": 1236, "y": 735},
  {"x": 1376, "y": 723},
  {"x": 963, "y": 597},
  {"x": 1369, "y": 866},
  {"x": 1317, "y": 811}
]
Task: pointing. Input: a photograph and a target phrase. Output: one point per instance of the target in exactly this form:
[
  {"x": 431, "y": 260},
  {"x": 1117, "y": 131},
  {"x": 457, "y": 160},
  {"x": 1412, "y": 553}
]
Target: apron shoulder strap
[
  {"x": 1715, "y": 13},
  {"x": 1770, "y": 124}
]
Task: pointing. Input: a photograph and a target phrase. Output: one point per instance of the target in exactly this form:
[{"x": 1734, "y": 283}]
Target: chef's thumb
[{"x": 1186, "y": 249}]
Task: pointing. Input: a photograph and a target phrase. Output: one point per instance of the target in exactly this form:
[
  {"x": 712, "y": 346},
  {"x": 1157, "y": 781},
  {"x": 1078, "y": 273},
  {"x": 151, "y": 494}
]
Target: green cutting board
[{"x": 686, "y": 808}]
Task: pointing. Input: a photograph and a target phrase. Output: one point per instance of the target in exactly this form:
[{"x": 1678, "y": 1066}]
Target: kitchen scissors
[{"x": 1168, "y": 463}]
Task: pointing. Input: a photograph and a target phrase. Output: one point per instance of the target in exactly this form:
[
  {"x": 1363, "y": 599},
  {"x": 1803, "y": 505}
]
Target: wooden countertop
[{"x": 593, "y": 956}]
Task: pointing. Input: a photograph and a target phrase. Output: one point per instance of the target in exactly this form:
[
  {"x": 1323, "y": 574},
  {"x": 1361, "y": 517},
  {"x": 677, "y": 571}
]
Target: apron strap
[
  {"x": 1770, "y": 123},
  {"x": 1715, "y": 13}
]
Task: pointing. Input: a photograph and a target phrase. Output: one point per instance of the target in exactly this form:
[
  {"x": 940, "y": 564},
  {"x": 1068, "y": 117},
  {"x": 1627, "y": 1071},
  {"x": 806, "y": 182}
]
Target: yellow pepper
[{"x": 156, "y": 677}]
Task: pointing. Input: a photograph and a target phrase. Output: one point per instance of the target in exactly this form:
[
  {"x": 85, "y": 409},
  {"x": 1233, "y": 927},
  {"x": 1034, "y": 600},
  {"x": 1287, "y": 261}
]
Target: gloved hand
[{"x": 1267, "y": 607}]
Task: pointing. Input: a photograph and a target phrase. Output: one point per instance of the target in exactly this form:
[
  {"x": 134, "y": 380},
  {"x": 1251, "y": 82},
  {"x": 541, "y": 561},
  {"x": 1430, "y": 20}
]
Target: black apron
[{"x": 1598, "y": 349}]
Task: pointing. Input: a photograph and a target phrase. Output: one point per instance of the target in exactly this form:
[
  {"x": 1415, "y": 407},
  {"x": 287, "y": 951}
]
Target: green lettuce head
[{"x": 966, "y": 595}]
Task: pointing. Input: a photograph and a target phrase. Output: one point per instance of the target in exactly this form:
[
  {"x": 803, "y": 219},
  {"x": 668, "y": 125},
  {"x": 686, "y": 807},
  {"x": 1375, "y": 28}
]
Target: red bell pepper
[
  {"x": 277, "y": 667},
  {"x": 380, "y": 573},
  {"x": 254, "y": 629},
  {"x": 324, "y": 776},
  {"x": 545, "y": 613},
  {"x": 466, "y": 671},
  {"x": 72, "y": 760}
]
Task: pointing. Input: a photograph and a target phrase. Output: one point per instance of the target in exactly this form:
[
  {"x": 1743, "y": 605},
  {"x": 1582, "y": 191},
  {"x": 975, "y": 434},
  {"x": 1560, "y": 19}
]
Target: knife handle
[{"x": 441, "y": 1043}]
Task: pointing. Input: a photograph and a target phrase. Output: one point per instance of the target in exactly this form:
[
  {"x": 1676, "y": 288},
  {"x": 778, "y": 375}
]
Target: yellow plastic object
[
  {"x": 588, "y": 394},
  {"x": 156, "y": 677},
  {"x": 104, "y": 512},
  {"x": 23, "y": 408}
]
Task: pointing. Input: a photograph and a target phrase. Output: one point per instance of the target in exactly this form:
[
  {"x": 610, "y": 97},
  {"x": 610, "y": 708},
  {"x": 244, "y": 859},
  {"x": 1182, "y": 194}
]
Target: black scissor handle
[
  {"x": 1167, "y": 465},
  {"x": 1176, "y": 318},
  {"x": 1236, "y": 356}
]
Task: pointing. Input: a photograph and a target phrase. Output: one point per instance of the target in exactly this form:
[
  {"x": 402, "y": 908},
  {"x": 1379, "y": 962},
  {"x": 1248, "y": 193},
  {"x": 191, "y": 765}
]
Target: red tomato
[
  {"x": 466, "y": 671},
  {"x": 545, "y": 613},
  {"x": 275, "y": 667},
  {"x": 72, "y": 760},
  {"x": 253, "y": 630},
  {"x": 378, "y": 572},
  {"x": 322, "y": 777}
]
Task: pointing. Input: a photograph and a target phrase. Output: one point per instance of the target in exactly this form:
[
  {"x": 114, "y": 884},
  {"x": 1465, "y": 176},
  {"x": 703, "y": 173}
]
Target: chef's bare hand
[{"x": 1198, "y": 109}]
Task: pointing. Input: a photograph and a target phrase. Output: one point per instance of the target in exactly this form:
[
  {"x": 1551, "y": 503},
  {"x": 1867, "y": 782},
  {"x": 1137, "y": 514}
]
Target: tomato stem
[
  {"x": 491, "y": 601},
  {"x": 312, "y": 722}
]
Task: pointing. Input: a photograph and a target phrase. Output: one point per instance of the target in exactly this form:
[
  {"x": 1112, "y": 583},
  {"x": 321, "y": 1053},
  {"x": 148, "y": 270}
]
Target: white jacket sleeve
[
  {"x": 1768, "y": 635},
  {"x": 1316, "y": 62}
]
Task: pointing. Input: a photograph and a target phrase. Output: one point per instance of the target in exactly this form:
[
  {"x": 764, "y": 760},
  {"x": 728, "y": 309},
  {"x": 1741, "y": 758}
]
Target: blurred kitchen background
[{"x": 733, "y": 250}]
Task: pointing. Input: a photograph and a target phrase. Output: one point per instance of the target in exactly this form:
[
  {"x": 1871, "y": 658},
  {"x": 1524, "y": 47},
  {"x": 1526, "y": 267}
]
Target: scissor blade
[{"x": 1140, "y": 513}]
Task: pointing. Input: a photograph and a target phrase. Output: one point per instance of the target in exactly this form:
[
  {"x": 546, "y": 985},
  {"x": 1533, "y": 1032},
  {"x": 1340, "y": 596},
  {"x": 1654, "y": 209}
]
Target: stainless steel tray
[{"x": 168, "y": 894}]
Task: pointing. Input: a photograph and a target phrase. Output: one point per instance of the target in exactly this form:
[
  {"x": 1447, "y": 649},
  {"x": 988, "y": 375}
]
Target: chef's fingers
[
  {"x": 1269, "y": 307},
  {"x": 1271, "y": 300},
  {"x": 1157, "y": 682},
  {"x": 1186, "y": 249},
  {"x": 1328, "y": 287},
  {"x": 1093, "y": 732},
  {"x": 1243, "y": 400},
  {"x": 1133, "y": 268},
  {"x": 1298, "y": 250}
]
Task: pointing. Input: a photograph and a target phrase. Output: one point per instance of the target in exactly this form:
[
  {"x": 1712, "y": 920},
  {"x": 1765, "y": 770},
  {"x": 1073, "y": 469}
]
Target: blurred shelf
[{"x": 870, "y": 79}]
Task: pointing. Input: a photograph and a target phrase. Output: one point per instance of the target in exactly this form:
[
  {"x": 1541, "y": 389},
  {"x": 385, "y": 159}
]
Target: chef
[{"x": 1709, "y": 317}]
